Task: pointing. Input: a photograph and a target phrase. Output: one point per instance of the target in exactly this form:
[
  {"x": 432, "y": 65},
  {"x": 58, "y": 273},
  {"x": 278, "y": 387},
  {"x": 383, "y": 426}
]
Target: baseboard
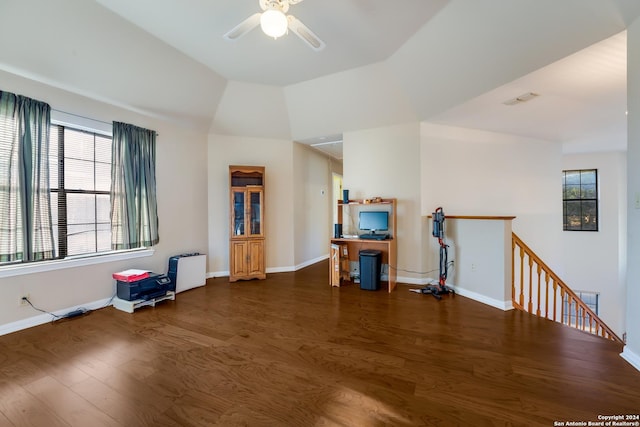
[
  {"x": 412, "y": 281},
  {"x": 311, "y": 262},
  {"x": 41, "y": 319},
  {"x": 290, "y": 269},
  {"x": 211, "y": 275},
  {"x": 286, "y": 269},
  {"x": 502, "y": 305},
  {"x": 631, "y": 357}
]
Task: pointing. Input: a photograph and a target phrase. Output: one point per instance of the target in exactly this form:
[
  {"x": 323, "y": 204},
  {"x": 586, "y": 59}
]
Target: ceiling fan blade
[
  {"x": 243, "y": 28},
  {"x": 305, "y": 33}
]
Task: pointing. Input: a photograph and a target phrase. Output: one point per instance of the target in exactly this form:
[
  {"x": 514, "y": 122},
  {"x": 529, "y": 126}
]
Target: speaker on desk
[
  {"x": 345, "y": 196},
  {"x": 337, "y": 231}
]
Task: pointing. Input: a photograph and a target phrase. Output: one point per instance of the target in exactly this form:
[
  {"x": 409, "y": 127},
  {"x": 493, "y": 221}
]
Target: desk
[{"x": 354, "y": 246}]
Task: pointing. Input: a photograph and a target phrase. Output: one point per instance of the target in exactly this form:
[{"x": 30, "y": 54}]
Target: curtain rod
[{"x": 88, "y": 118}]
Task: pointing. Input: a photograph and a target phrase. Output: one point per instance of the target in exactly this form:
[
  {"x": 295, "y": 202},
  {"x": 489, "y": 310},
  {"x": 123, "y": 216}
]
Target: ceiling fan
[{"x": 275, "y": 23}]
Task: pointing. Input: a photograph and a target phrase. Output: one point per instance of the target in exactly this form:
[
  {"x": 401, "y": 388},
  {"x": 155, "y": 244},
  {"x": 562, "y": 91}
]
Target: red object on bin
[{"x": 131, "y": 275}]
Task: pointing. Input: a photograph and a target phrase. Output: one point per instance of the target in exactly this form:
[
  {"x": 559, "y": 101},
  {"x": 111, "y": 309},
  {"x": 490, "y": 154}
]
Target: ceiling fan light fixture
[{"x": 273, "y": 23}]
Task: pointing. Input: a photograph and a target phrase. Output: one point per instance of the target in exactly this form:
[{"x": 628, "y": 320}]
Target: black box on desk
[
  {"x": 370, "y": 269},
  {"x": 150, "y": 287}
]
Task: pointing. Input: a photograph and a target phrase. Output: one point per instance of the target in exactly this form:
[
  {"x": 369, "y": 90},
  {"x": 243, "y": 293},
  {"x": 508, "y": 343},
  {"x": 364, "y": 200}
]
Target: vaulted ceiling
[
  {"x": 450, "y": 61},
  {"x": 357, "y": 33}
]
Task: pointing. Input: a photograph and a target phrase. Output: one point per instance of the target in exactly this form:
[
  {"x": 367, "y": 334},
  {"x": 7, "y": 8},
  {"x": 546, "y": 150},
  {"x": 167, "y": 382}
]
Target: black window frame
[
  {"x": 586, "y": 195},
  {"x": 62, "y": 212}
]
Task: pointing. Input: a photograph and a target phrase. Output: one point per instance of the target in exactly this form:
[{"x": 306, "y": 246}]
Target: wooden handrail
[{"x": 586, "y": 319}]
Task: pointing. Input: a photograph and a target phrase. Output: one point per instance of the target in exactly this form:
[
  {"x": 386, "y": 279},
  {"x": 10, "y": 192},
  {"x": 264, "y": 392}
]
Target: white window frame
[{"x": 572, "y": 318}]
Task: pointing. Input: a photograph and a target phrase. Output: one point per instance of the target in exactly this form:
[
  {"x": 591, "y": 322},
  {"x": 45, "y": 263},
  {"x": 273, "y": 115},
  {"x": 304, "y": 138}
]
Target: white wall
[
  {"x": 482, "y": 268},
  {"x": 595, "y": 261},
  {"x": 442, "y": 66},
  {"x": 277, "y": 158},
  {"x": 360, "y": 98},
  {"x": 102, "y": 55},
  {"x": 385, "y": 162},
  {"x": 297, "y": 200},
  {"x": 262, "y": 106},
  {"x": 84, "y": 48},
  {"x": 632, "y": 349},
  {"x": 471, "y": 172},
  {"x": 312, "y": 191},
  {"x": 181, "y": 172}
]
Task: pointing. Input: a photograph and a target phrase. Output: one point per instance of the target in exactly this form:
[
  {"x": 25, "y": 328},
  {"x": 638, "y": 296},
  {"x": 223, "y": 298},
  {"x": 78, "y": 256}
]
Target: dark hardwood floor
[{"x": 292, "y": 351}]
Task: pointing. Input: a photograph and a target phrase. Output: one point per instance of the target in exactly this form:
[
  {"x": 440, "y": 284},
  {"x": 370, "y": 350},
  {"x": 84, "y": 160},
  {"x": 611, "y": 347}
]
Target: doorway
[{"x": 335, "y": 196}]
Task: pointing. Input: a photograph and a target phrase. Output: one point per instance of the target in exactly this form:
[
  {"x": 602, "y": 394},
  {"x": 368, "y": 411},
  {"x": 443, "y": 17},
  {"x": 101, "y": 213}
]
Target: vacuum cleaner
[{"x": 438, "y": 232}]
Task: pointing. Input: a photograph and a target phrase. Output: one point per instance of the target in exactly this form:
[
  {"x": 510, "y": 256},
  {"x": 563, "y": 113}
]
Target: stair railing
[{"x": 536, "y": 289}]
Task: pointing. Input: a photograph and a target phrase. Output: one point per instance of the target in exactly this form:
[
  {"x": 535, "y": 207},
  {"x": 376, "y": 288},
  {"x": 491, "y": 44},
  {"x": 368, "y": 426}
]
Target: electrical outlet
[
  {"x": 354, "y": 268},
  {"x": 23, "y": 302},
  {"x": 474, "y": 267}
]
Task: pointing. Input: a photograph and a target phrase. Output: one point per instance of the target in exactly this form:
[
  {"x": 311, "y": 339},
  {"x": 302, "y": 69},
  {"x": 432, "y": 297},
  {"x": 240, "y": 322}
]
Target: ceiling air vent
[{"x": 522, "y": 98}]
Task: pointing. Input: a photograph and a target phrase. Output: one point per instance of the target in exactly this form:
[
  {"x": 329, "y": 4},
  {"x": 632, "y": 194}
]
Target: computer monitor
[{"x": 373, "y": 221}]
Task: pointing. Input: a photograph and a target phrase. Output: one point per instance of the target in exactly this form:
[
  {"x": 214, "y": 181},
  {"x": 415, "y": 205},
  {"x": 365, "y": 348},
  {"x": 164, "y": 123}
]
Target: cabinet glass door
[
  {"x": 238, "y": 213},
  {"x": 255, "y": 218}
]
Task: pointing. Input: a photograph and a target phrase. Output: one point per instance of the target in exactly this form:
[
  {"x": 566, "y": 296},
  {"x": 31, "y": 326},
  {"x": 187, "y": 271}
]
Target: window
[
  {"x": 591, "y": 299},
  {"x": 80, "y": 180},
  {"x": 580, "y": 200}
]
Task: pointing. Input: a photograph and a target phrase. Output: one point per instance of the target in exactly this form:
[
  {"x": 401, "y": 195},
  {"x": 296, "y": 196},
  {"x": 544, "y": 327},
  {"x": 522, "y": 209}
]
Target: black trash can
[{"x": 370, "y": 269}]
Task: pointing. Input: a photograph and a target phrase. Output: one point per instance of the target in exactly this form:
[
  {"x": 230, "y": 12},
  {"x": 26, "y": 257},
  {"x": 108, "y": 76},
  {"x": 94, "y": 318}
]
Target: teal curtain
[
  {"x": 134, "y": 217},
  {"x": 26, "y": 233}
]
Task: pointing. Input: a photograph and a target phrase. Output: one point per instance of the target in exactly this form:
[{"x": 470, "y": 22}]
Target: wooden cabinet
[
  {"x": 247, "y": 237},
  {"x": 247, "y": 259},
  {"x": 339, "y": 264}
]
